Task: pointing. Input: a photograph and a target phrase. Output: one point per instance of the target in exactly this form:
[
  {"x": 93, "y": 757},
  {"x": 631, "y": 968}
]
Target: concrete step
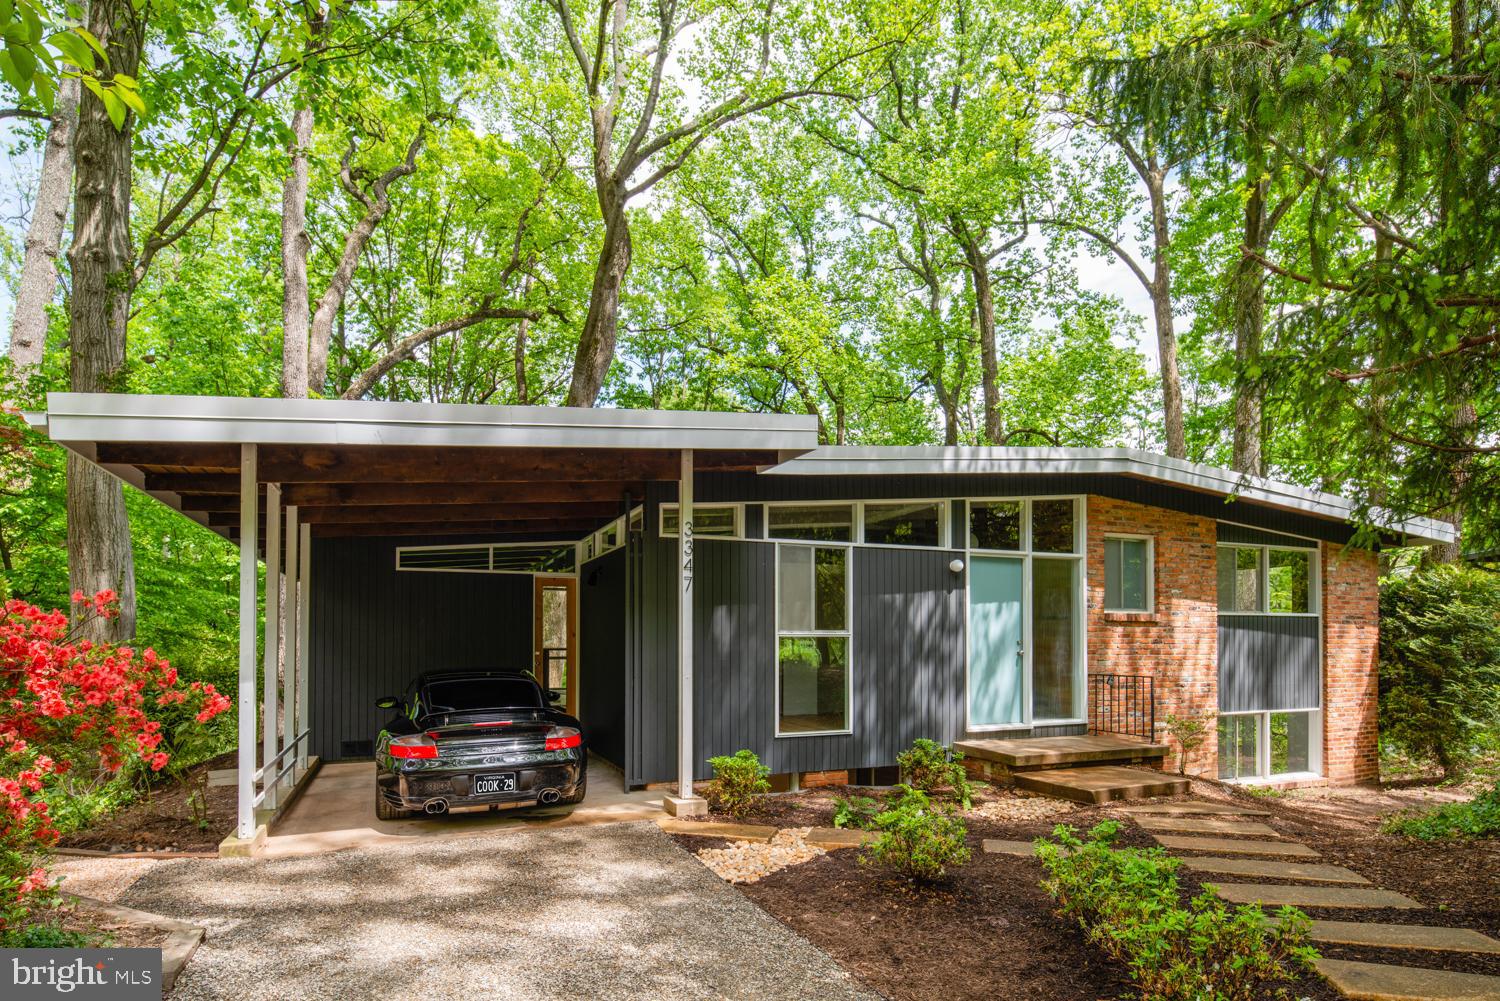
[
  {"x": 834, "y": 838},
  {"x": 714, "y": 829},
  {"x": 1101, "y": 783},
  {"x": 1276, "y": 895},
  {"x": 1267, "y": 869},
  {"x": 998, "y": 846},
  {"x": 1062, "y": 752},
  {"x": 1380, "y": 982},
  {"x": 1204, "y": 825},
  {"x": 1432, "y": 938},
  {"x": 1234, "y": 846},
  {"x": 1194, "y": 809}
]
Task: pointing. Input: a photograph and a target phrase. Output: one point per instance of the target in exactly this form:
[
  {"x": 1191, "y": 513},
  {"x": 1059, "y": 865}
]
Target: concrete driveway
[
  {"x": 337, "y": 812},
  {"x": 606, "y": 912}
]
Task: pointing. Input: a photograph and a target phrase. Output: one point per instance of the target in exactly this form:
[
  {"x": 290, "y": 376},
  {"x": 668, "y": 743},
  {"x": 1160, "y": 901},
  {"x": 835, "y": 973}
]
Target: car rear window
[{"x": 472, "y": 694}]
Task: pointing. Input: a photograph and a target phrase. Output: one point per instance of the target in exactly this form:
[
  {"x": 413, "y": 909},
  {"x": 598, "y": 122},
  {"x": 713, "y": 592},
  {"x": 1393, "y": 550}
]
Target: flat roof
[
  {"x": 939, "y": 460},
  {"x": 99, "y": 417}
]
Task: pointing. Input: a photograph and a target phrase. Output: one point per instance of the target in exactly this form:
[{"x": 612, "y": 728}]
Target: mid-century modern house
[{"x": 844, "y": 600}]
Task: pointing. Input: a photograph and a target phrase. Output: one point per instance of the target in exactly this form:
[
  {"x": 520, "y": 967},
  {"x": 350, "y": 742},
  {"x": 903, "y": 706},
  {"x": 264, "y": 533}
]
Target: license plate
[{"x": 486, "y": 785}]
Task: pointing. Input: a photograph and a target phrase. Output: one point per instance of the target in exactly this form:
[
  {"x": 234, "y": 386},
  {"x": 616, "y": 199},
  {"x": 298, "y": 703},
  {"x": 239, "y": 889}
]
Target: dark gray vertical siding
[
  {"x": 372, "y": 630},
  {"x": 603, "y": 647},
  {"x": 1269, "y": 662},
  {"x": 906, "y": 650},
  {"x": 755, "y": 521},
  {"x": 1260, "y": 537}
]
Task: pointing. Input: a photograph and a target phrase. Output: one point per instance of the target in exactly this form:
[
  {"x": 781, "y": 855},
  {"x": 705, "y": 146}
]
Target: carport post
[
  {"x": 686, "y": 802},
  {"x": 249, "y": 564},
  {"x": 289, "y": 729},
  {"x": 304, "y": 616},
  {"x": 272, "y": 657}
]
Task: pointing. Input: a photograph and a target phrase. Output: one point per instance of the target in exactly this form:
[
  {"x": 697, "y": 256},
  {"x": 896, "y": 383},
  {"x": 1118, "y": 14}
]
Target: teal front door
[{"x": 996, "y": 656}]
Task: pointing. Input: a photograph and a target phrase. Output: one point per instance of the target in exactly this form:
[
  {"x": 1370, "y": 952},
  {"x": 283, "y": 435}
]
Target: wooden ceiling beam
[
  {"x": 406, "y": 514},
  {"x": 197, "y": 489}
]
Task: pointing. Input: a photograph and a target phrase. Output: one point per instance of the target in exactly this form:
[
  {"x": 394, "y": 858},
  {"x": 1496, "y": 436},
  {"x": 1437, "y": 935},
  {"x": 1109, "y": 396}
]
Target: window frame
[
  {"x": 1263, "y": 774},
  {"x": 1150, "y": 588},
  {"x": 1263, "y": 571},
  {"x": 856, "y": 522},
  {"x": 847, "y": 634},
  {"x": 737, "y": 513},
  {"x": 1080, "y": 627},
  {"x": 945, "y": 515}
]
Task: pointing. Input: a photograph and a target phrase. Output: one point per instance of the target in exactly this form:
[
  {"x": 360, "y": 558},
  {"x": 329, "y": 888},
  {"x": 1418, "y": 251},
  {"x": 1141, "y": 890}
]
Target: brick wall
[
  {"x": 1178, "y": 642},
  {"x": 1351, "y": 637}
]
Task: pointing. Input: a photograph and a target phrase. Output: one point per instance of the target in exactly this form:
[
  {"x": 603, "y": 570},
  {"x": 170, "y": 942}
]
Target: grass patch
[{"x": 1478, "y": 818}]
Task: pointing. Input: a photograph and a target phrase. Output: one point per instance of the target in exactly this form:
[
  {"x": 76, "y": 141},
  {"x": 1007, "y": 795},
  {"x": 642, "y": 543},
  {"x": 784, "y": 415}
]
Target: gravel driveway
[{"x": 610, "y": 912}]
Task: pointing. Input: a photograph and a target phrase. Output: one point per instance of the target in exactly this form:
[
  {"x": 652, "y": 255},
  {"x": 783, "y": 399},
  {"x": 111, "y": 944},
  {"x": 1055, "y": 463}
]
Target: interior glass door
[
  {"x": 555, "y": 655},
  {"x": 997, "y": 659}
]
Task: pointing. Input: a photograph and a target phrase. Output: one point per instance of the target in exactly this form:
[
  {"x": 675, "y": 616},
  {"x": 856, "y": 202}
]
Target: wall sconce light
[{"x": 957, "y": 566}]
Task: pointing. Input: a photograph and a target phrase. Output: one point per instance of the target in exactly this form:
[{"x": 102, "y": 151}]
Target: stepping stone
[
  {"x": 833, "y": 838},
  {"x": 1275, "y": 870},
  {"x": 1274, "y": 895},
  {"x": 1403, "y": 937},
  {"x": 1379, "y": 982},
  {"x": 1195, "y": 809},
  {"x": 994, "y": 846},
  {"x": 1204, "y": 825},
  {"x": 1234, "y": 845},
  {"x": 713, "y": 829}
]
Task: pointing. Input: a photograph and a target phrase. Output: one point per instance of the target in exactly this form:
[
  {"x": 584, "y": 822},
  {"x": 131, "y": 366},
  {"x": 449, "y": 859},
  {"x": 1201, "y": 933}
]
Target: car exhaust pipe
[
  {"x": 436, "y": 806},
  {"x": 548, "y": 796}
]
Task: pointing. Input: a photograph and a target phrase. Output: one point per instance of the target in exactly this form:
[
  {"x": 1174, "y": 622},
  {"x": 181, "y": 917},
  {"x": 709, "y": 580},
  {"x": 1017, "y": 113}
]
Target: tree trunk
[
  {"x": 523, "y": 328},
  {"x": 1249, "y": 294},
  {"x": 1161, "y": 304},
  {"x": 596, "y": 342},
  {"x": 102, "y": 259},
  {"x": 295, "y": 245},
  {"x": 947, "y": 398},
  {"x": 984, "y": 304},
  {"x": 28, "y": 327}
]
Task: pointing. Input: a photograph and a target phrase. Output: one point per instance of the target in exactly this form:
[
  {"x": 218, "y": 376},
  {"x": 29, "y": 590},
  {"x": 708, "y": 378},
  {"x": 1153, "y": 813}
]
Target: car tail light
[
  {"x": 498, "y": 722},
  {"x": 418, "y": 745},
  {"x": 560, "y": 737}
]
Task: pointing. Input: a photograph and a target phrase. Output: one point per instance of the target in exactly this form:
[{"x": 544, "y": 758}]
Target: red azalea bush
[{"x": 67, "y": 703}]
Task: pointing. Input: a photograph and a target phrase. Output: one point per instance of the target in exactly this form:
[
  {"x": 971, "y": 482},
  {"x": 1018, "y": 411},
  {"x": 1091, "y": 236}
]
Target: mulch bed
[
  {"x": 990, "y": 930},
  {"x": 162, "y": 820},
  {"x": 105, "y": 932}
]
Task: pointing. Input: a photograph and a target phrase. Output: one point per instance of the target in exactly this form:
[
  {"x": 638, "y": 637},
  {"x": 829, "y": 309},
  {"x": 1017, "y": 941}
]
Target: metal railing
[
  {"x": 268, "y": 789},
  {"x": 1124, "y": 704}
]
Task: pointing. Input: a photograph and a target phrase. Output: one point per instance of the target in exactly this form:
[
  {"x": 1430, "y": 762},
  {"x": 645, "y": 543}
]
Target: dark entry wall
[
  {"x": 602, "y": 646},
  {"x": 373, "y": 629}
]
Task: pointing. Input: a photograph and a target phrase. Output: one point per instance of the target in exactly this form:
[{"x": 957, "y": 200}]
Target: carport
[{"x": 278, "y": 475}]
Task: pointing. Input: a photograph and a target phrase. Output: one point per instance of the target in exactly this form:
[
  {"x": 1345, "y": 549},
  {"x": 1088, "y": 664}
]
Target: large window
[
  {"x": 1268, "y": 745},
  {"x": 918, "y": 523},
  {"x": 1267, "y": 579},
  {"x": 721, "y": 520},
  {"x": 995, "y": 525},
  {"x": 812, "y": 639},
  {"x": 1128, "y": 574}
]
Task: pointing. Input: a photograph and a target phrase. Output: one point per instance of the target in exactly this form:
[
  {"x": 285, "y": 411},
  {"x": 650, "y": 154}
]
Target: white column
[
  {"x": 304, "y": 617},
  {"x": 289, "y": 670},
  {"x": 249, "y": 561},
  {"x": 270, "y": 660},
  {"x": 685, "y": 627}
]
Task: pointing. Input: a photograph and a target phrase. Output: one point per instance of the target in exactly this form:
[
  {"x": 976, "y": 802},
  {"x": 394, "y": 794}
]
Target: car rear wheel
[{"x": 385, "y": 811}]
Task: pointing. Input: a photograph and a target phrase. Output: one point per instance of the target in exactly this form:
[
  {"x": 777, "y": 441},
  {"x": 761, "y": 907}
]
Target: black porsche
[{"x": 485, "y": 739}]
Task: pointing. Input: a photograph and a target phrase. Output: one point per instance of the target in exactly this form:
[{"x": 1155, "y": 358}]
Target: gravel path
[{"x": 605, "y": 912}]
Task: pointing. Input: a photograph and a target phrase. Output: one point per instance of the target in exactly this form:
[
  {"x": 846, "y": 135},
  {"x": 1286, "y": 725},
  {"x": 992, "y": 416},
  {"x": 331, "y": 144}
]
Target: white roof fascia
[
  {"x": 938, "y": 460},
  {"x": 108, "y": 417}
]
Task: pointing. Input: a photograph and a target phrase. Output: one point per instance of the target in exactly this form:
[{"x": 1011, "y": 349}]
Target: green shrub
[
  {"x": 1478, "y": 818},
  {"x": 738, "y": 779},
  {"x": 48, "y": 935},
  {"x": 1440, "y": 662},
  {"x": 929, "y": 767},
  {"x": 856, "y": 811},
  {"x": 916, "y": 839},
  {"x": 1127, "y": 903}
]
